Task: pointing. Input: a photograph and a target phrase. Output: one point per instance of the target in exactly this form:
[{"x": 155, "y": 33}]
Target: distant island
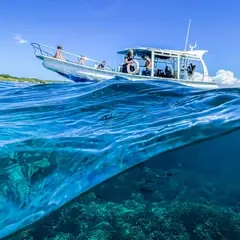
[{"x": 8, "y": 77}]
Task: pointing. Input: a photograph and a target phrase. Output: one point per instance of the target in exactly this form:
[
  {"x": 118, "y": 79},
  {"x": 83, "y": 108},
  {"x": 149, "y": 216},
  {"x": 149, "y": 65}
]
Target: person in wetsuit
[
  {"x": 191, "y": 68},
  {"x": 128, "y": 60},
  {"x": 168, "y": 72}
]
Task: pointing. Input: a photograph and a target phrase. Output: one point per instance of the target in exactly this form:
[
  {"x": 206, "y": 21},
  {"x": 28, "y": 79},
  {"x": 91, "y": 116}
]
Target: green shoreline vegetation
[{"x": 8, "y": 77}]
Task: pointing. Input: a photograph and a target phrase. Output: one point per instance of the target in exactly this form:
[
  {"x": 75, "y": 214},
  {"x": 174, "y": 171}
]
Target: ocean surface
[{"x": 165, "y": 150}]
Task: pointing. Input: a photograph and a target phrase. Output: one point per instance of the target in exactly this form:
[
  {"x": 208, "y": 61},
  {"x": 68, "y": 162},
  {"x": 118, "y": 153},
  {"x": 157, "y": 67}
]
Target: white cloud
[
  {"x": 223, "y": 78},
  {"x": 226, "y": 78},
  {"x": 20, "y": 40}
]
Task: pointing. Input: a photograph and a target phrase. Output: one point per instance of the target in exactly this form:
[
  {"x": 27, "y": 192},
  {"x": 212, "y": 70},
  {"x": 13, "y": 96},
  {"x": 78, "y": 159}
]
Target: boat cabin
[{"x": 167, "y": 63}]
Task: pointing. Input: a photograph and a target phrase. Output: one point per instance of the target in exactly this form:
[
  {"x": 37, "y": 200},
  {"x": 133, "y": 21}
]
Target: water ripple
[{"x": 59, "y": 140}]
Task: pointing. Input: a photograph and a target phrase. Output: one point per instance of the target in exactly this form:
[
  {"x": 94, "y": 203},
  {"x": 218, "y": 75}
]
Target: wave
[{"x": 60, "y": 140}]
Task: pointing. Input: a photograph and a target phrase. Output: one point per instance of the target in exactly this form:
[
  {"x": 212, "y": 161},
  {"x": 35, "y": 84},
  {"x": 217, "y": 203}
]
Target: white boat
[
  {"x": 184, "y": 67},
  {"x": 177, "y": 66}
]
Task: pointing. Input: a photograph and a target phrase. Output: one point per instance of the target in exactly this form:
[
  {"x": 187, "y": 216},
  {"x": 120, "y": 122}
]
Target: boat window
[{"x": 165, "y": 68}]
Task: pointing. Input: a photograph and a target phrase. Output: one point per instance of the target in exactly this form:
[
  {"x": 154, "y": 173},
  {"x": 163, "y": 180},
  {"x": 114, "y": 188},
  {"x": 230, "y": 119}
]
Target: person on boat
[
  {"x": 82, "y": 60},
  {"x": 148, "y": 65},
  {"x": 190, "y": 69},
  {"x": 128, "y": 60},
  {"x": 101, "y": 65},
  {"x": 59, "y": 53},
  {"x": 168, "y": 72}
]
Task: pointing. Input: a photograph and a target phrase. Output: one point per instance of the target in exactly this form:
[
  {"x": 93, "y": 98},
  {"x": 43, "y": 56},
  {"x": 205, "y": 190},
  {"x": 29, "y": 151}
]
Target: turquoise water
[{"x": 60, "y": 140}]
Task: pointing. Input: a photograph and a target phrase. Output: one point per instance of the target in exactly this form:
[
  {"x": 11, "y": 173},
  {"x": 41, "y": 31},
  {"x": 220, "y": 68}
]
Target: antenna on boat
[
  {"x": 186, "y": 42},
  {"x": 194, "y": 46}
]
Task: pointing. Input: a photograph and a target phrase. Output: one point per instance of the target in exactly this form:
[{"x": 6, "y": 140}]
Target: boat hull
[{"x": 82, "y": 73}]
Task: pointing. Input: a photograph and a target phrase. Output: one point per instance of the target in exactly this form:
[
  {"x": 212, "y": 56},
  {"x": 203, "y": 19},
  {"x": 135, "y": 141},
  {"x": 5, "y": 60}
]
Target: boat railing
[{"x": 41, "y": 50}]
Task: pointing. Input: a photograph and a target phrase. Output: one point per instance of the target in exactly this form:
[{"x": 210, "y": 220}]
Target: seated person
[
  {"x": 82, "y": 60},
  {"x": 148, "y": 66},
  {"x": 128, "y": 60},
  {"x": 101, "y": 65},
  {"x": 168, "y": 72},
  {"x": 59, "y": 53}
]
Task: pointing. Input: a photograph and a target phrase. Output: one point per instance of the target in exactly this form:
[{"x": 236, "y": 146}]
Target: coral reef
[{"x": 154, "y": 205}]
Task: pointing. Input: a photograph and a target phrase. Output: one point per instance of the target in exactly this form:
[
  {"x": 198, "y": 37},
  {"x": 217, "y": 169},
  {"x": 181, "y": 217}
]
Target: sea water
[{"x": 125, "y": 160}]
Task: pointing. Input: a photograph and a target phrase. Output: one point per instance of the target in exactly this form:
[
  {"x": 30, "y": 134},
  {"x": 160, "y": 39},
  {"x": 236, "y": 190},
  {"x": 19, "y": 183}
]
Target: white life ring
[{"x": 136, "y": 67}]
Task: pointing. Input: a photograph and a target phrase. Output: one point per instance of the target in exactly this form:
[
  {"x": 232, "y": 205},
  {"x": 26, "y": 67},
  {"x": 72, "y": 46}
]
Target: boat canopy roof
[{"x": 163, "y": 53}]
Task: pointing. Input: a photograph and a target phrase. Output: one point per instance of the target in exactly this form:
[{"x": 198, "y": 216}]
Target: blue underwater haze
[{"x": 61, "y": 140}]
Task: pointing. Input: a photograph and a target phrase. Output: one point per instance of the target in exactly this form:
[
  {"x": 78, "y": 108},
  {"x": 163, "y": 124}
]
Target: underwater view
[{"x": 120, "y": 160}]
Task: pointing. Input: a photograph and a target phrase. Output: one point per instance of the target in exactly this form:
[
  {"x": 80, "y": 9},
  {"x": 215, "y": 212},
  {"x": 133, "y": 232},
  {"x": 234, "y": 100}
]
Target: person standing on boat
[
  {"x": 148, "y": 65},
  {"x": 128, "y": 60},
  {"x": 59, "y": 53}
]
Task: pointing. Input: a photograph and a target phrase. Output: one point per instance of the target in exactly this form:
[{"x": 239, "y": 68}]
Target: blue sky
[{"x": 99, "y": 29}]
